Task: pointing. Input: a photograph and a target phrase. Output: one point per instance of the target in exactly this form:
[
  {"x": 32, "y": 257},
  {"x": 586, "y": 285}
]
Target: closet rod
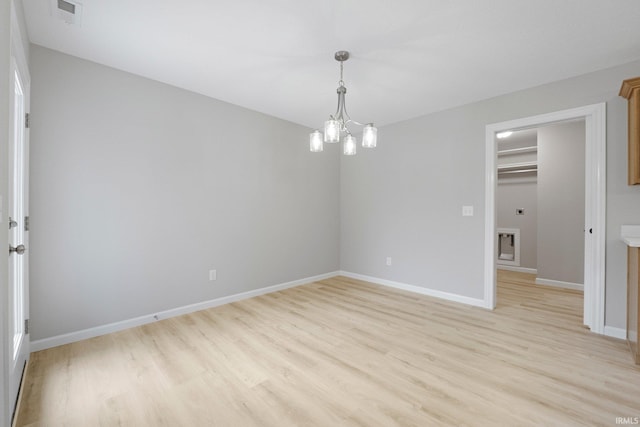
[
  {"x": 517, "y": 166},
  {"x": 519, "y": 171}
]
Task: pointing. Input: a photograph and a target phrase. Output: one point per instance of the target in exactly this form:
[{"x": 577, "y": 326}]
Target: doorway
[
  {"x": 595, "y": 186},
  {"x": 540, "y": 205}
]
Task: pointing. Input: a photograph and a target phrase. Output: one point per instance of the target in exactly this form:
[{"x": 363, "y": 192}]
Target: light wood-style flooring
[{"x": 341, "y": 352}]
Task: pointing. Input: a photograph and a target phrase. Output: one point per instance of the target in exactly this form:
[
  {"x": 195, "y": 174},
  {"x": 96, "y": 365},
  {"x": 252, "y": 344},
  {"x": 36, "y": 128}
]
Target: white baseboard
[
  {"x": 418, "y": 289},
  {"x": 560, "y": 284},
  {"x": 517, "y": 269},
  {"x": 620, "y": 333},
  {"x": 84, "y": 334}
]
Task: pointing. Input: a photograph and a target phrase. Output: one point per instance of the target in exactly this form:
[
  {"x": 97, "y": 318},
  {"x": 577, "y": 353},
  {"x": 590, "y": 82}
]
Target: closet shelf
[{"x": 532, "y": 149}]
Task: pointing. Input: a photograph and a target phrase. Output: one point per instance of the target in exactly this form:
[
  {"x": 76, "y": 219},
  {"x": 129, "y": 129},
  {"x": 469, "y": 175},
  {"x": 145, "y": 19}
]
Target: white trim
[
  {"x": 560, "y": 284},
  {"x": 416, "y": 289},
  {"x": 619, "y": 333},
  {"x": 595, "y": 218},
  {"x": 17, "y": 47},
  {"x": 517, "y": 269},
  {"x": 150, "y": 318},
  {"x": 595, "y": 205},
  {"x": 490, "y": 224}
]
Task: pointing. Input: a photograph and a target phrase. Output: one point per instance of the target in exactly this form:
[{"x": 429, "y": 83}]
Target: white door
[{"x": 18, "y": 230}]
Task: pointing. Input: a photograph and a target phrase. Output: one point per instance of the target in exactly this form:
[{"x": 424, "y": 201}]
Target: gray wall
[
  {"x": 561, "y": 186},
  {"x": 136, "y": 194},
  {"x": 139, "y": 188},
  {"x": 404, "y": 199}
]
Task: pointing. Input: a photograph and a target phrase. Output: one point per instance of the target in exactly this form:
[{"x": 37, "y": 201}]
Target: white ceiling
[{"x": 409, "y": 57}]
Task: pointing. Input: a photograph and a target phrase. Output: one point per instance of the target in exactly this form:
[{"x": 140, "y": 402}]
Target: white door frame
[{"x": 595, "y": 205}]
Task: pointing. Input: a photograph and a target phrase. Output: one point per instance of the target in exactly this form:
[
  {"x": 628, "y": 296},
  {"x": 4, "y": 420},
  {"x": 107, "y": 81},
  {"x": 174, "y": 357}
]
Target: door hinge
[
  {"x": 12, "y": 223},
  {"x": 26, "y": 326},
  {"x": 26, "y": 223},
  {"x": 27, "y": 120}
]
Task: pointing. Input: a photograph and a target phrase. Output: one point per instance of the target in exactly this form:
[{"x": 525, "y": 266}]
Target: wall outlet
[
  {"x": 467, "y": 211},
  {"x": 213, "y": 275},
  {"x": 388, "y": 260}
]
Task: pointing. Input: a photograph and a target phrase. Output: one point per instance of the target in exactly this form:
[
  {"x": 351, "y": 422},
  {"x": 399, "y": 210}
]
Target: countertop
[
  {"x": 630, "y": 234},
  {"x": 634, "y": 242}
]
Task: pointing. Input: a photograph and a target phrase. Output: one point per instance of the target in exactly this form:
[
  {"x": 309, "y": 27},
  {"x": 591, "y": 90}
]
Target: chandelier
[{"x": 337, "y": 123}]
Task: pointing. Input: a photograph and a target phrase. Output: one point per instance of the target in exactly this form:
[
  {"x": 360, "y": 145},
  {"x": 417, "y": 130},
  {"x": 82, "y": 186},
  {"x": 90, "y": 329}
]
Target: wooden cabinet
[
  {"x": 631, "y": 90},
  {"x": 633, "y": 300}
]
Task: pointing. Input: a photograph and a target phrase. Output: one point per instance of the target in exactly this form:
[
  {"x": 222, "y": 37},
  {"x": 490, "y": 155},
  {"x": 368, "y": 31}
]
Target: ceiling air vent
[
  {"x": 67, "y": 11},
  {"x": 67, "y": 7}
]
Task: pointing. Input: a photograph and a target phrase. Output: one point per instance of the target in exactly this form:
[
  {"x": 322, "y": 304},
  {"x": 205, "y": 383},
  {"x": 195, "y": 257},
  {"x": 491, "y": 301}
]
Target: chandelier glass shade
[{"x": 336, "y": 126}]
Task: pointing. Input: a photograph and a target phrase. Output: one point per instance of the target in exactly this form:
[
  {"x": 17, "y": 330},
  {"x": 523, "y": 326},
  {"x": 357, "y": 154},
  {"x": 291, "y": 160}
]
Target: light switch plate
[{"x": 467, "y": 211}]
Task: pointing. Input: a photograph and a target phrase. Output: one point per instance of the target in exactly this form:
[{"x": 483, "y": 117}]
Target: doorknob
[{"x": 18, "y": 249}]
